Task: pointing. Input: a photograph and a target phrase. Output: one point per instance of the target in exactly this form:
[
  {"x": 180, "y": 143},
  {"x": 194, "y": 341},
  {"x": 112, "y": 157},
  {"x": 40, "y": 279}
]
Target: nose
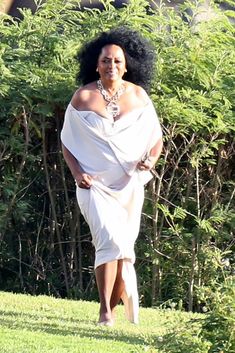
[{"x": 112, "y": 63}]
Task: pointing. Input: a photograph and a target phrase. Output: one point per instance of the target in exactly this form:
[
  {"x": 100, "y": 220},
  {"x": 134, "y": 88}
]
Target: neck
[{"x": 111, "y": 86}]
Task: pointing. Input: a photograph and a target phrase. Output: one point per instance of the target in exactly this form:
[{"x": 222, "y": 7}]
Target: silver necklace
[{"x": 112, "y": 107}]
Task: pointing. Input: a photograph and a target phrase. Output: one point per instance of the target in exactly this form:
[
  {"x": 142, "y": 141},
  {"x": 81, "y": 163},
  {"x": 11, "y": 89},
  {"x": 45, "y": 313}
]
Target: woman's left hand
[{"x": 146, "y": 164}]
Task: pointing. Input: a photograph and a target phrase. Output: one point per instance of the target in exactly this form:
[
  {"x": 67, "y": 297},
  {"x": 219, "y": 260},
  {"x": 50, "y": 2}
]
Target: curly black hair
[{"x": 138, "y": 51}]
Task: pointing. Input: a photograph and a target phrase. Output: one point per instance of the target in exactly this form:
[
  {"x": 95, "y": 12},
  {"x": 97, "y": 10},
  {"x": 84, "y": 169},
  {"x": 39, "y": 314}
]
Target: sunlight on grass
[{"x": 44, "y": 324}]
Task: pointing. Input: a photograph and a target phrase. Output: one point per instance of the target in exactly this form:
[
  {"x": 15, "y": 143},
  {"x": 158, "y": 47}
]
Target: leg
[
  {"x": 105, "y": 279},
  {"x": 118, "y": 287}
]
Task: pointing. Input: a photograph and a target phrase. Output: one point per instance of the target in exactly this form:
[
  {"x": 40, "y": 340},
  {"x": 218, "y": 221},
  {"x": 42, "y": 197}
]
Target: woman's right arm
[{"x": 82, "y": 179}]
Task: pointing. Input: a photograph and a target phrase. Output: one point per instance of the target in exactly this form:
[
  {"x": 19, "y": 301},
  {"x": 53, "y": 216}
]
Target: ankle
[{"x": 105, "y": 316}]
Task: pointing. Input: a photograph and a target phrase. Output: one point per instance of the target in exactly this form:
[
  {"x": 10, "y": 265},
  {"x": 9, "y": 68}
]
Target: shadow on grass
[
  {"x": 76, "y": 327},
  {"x": 40, "y": 315},
  {"x": 183, "y": 338}
]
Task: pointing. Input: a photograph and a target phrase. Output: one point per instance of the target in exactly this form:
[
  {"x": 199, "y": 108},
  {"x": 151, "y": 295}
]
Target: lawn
[{"x": 41, "y": 324}]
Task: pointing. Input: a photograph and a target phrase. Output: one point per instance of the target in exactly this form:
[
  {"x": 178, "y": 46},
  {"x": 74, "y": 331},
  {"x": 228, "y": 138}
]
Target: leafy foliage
[
  {"x": 188, "y": 217},
  {"x": 219, "y": 325}
]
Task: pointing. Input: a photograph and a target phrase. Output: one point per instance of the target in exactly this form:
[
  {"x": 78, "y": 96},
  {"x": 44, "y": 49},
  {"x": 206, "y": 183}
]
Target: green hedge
[{"x": 188, "y": 217}]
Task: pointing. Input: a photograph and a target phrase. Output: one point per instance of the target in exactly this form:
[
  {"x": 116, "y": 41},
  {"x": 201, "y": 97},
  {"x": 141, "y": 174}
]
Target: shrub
[{"x": 44, "y": 243}]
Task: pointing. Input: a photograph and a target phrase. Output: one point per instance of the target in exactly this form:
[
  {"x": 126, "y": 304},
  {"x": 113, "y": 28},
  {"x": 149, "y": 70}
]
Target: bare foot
[
  {"x": 106, "y": 319},
  {"x": 109, "y": 323},
  {"x": 105, "y": 316}
]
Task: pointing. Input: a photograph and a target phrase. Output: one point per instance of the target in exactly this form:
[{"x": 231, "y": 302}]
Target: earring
[
  {"x": 97, "y": 69},
  {"x": 125, "y": 70}
]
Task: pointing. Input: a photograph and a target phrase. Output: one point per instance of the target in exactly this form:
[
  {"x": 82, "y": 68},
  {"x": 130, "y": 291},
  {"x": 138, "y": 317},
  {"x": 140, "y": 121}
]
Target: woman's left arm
[{"x": 153, "y": 156}]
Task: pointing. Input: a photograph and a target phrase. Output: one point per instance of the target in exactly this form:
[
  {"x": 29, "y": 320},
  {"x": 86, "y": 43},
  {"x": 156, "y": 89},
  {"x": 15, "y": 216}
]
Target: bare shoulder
[
  {"x": 83, "y": 95},
  {"x": 140, "y": 94}
]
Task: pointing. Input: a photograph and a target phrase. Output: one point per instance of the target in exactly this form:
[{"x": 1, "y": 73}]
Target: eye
[{"x": 105, "y": 61}]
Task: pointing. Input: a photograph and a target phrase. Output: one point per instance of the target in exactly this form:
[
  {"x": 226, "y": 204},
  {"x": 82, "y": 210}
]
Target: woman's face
[{"x": 111, "y": 63}]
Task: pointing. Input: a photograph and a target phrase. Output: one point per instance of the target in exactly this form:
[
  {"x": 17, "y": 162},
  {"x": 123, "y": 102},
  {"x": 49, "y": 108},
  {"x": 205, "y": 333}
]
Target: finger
[
  {"x": 84, "y": 185},
  {"x": 142, "y": 167},
  {"x": 87, "y": 179}
]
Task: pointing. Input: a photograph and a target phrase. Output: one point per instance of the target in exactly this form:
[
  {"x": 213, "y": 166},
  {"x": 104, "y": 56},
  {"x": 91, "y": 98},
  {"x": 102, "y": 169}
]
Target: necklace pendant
[{"x": 113, "y": 109}]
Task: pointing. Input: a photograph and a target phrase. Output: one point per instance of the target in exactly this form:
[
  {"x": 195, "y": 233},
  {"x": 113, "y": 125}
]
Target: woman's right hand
[{"x": 83, "y": 180}]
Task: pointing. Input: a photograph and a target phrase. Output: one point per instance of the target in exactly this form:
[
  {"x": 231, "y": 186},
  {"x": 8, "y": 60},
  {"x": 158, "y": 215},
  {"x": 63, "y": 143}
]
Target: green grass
[{"x": 44, "y": 324}]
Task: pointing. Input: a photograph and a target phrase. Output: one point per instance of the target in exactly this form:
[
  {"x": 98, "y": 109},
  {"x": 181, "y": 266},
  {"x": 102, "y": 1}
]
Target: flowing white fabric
[{"x": 109, "y": 151}]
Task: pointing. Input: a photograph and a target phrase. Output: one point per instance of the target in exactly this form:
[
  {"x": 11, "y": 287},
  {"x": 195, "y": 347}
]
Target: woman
[{"x": 111, "y": 138}]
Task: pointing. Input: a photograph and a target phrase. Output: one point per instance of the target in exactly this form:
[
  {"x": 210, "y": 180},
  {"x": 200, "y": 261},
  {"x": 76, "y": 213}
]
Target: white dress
[{"x": 109, "y": 152}]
